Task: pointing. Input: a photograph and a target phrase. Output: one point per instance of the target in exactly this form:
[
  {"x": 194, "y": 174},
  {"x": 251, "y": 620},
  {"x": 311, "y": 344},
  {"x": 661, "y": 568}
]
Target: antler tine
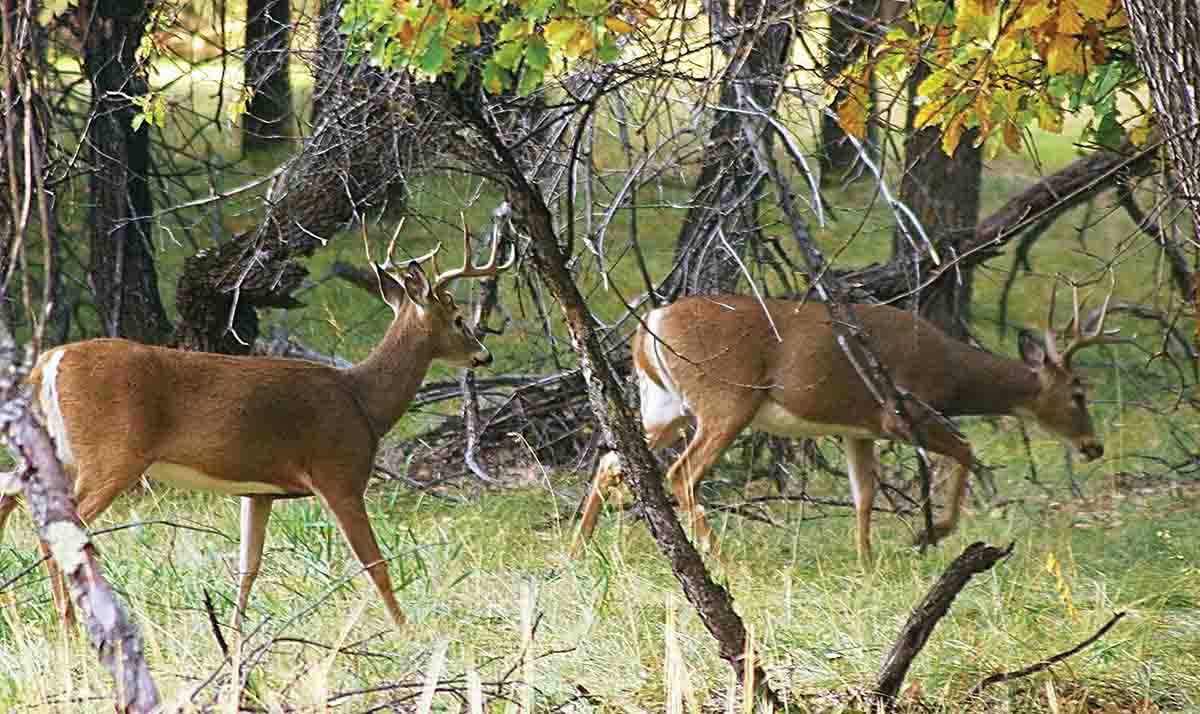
[
  {"x": 391, "y": 249},
  {"x": 468, "y": 270},
  {"x": 1097, "y": 336},
  {"x": 1051, "y": 346}
]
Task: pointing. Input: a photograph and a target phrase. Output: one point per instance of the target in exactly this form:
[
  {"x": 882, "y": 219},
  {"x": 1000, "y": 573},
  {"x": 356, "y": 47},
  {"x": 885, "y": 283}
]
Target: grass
[{"x": 476, "y": 569}]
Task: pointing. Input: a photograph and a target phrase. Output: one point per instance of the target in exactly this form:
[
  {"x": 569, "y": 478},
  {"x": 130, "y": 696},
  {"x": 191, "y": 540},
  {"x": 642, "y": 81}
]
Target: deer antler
[
  {"x": 468, "y": 270},
  {"x": 1083, "y": 334},
  {"x": 389, "y": 260}
]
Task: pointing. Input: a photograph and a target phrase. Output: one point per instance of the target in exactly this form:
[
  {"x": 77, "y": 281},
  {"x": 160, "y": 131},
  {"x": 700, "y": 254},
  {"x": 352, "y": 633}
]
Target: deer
[
  {"x": 259, "y": 428},
  {"x": 732, "y": 362}
]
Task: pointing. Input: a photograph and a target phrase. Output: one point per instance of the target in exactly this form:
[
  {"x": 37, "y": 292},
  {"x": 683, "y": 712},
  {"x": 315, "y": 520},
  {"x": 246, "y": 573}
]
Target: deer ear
[
  {"x": 416, "y": 284},
  {"x": 1032, "y": 350},
  {"x": 391, "y": 290}
]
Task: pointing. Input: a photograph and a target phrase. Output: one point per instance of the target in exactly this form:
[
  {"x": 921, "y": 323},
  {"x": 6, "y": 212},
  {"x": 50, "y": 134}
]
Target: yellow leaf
[
  {"x": 952, "y": 134},
  {"x": 1070, "y": 22},
  {"x": 1050, "y": 119},
  {"x": 1032, "y": 16},
  {"x": 1094, "y": 9},
  {"x": 618, "y": 25},
  {"x": 927, "y": 113},
  {"x": 1141, "y": 134},
  {"x": 852, "y": 116},
  {"x": 1012, "y": 137},
  {"x": 582, "y": 43},
  {"x": 1065, "y": 56}
]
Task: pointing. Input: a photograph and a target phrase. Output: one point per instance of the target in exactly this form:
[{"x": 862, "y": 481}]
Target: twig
[{"x": 1046, "y": 663}]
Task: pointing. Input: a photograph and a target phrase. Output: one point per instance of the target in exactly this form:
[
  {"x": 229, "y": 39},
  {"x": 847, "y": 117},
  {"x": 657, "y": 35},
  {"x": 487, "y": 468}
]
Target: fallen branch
[
  {"x": 977, "y": 558},
  {"x": 112, "y": 633},
  {"x": 1046, "y": 663}
]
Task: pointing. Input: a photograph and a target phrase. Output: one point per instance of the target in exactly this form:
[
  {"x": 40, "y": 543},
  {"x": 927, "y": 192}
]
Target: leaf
[
  {"x": 1032, "y": 15},
  {"x": 434, "y": 57},
  {"x": 1012, "y": 137},
  {"x": 1070, "y": 22},
  {"x": 559, "y": 32},
  {"x": 1095, "y": 9},
  {"x": 495, "y": 78},
  {"x": 1050, "y": 119},
  {"x": 617, "y": 25},
  {"x": 1065, "y": 56},
  {"x": 537, "y": 54},
  {"x": 953, "y": 134},
  {"x": 852, "y": 116},
  {"x": 531, "y": 79}
]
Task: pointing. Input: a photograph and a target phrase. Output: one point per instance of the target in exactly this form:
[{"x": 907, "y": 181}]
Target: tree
[
  {"x": 1166, "y": 37},
  {"x": 268, "y": 116},
  {"x": 123, "y": 277}
]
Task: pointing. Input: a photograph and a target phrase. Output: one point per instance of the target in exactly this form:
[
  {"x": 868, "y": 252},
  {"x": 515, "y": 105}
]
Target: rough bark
[
  {"x": 123, "y": 276},
  {"x": 268, "y": 117},
  {"x": 943, "y": 193},
  {"x": 365, "y": 137},
  {"x": 614, "y": 415},
  {"x": 1166, "y": 36},
  {"x": 976, "y": 559},
  {"x": 724, "y": 195}
]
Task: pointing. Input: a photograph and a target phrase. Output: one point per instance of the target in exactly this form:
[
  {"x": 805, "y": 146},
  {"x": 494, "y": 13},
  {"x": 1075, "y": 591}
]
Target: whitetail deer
[
  {"x": 725, "y": 363},
  {"x": 256, "y": 427}
]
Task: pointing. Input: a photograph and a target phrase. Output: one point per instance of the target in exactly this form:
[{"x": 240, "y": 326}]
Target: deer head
[
  {"x": 1061, "y": 405},
  {"x": 430, "y": 307}
]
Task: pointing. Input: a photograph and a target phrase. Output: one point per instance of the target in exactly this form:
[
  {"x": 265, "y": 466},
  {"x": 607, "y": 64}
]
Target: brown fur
[
  {"x": 304, "y": 428},
  {"x": 724, "y": 357}
]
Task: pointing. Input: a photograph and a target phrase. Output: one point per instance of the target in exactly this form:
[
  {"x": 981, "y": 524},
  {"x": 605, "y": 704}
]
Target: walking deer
[
  {"x": 255, "y": 427},
  {"x": 732, "y": 362}
]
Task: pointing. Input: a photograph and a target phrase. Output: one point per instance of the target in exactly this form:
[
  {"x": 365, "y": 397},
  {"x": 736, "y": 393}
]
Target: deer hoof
[{"x": 932, "y": 537}]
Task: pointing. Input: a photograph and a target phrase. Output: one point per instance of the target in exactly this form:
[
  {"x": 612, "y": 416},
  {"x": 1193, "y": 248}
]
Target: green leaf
[
  {"x": 1110, "y": 77},
  {"x": 435, "y": 56},
  {"x": 531, "y": 79},
  {"x": 510, "y": 53},
  {"x": 608, "y": 50},
  {"x": 537, "y": 55}
]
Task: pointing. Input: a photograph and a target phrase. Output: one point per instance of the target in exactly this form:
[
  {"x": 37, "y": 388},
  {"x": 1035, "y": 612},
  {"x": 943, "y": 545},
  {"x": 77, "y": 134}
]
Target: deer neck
[
  {"x": 991, "y": 384},
  {"x": 385, "y": 382}
]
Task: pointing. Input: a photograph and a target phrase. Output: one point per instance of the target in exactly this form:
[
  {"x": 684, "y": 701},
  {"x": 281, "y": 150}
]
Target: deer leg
[
  {"x": 351, "y": 515},
  {"x": 702, "y": 452},
  {"x": 255, "y": 512},
  {"x": 608, "y": 475},
  {"x": 943, "y": 441},
  {"x": 92, "y": 496},
  {"x": 864, "y": 466}
]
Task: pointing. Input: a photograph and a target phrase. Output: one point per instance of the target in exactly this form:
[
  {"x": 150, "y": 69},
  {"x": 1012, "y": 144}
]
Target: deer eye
[{"x": 458, "y": 321}]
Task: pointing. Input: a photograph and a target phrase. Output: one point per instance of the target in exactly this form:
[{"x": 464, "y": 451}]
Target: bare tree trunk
[
  {"x": 269, "y": 117},
  {"x": 1166, "y": 36},
  {"x": 724, "y": 202},
  {"x": 943, "y": 193},
  {"x": 123, "y": 276}
]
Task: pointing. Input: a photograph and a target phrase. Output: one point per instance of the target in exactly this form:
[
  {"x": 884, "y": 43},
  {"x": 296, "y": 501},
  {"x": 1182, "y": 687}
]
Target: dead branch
[
  {"x": 110, "y": 629},
  {"x": 977, "y": 558},
  {"x": 1046, "y": 663}
]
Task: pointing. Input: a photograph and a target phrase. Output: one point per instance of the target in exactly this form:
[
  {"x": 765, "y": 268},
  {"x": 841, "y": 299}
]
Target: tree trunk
[
  {"x": 362, "y": 141},
  {"x": 943, "y": 193},
  {"x": 123, "y": 277},
  {"x": 724, "y": 198},
  {"x": 1166, "y": 36},
  {"x": 850, "y": 25},
  {"x": 269, "y": 116}
]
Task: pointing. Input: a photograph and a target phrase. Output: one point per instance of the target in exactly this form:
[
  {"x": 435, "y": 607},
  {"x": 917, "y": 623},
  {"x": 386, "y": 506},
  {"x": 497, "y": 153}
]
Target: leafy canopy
[
  {"x": 439, "y": 37},
  {"x": 1001, "y": 67}
]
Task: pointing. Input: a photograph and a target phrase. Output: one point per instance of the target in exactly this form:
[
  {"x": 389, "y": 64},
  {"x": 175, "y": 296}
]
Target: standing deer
[
  {"x": 722, "y": 361},
  {"x": 256, "y": 427}
]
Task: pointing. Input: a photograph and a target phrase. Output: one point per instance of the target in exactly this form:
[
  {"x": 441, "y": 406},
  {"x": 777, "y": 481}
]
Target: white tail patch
[
  {"x": 661, "y": 405},
  {"x": 52, "y": 409}
]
